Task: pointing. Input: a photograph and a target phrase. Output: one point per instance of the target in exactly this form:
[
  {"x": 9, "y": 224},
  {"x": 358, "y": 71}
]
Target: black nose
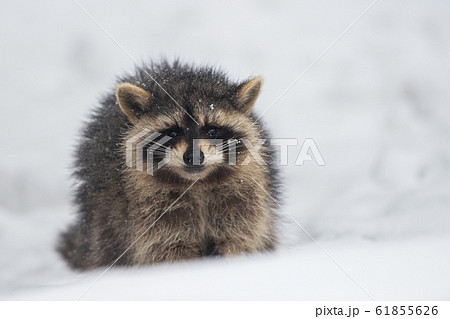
[{"x": 190, "y": 159}]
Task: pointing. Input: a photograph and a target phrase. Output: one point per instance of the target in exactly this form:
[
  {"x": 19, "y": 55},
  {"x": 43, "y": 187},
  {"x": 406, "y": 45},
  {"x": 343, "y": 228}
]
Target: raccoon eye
[
  {"x": 172, "y": 133},
  {"x": 213, "y": 132},
  {"x": 218, "y": 132}
]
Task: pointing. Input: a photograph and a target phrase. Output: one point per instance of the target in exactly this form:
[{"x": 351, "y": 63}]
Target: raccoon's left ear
[{"x": 247, "y": 94}]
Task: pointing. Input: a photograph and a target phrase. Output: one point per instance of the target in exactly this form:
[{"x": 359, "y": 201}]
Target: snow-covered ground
[{"x": 377, "y": 105}]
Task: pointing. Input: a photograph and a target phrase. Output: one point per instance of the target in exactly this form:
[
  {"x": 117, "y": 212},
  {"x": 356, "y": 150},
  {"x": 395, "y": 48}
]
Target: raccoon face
[{"x": 199, "y": 139}]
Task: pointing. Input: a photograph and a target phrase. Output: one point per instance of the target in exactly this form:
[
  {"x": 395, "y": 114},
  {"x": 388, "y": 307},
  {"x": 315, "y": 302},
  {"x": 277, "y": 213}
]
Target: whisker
[
  {"x": 227, "y": 143},
  {"x": 159, "y": 144}
]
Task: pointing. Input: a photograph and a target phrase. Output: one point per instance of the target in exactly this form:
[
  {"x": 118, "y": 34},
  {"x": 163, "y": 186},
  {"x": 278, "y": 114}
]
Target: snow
[
  {"x": 376, "y": 106},
  {"x": 298, "y": 274}
]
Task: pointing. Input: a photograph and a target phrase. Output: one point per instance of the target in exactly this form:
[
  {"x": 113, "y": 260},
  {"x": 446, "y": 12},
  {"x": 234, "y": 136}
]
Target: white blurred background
[{"x": 377, "y": 105}]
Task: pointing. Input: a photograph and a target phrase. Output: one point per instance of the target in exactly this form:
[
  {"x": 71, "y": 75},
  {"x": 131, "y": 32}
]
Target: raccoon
[{"x": 192, "y": 206}]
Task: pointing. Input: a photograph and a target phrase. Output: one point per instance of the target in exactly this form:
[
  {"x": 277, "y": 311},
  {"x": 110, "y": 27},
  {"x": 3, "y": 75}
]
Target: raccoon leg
[
  {"x": 169, "y": 235},
  {"x": 235, "y": 234},
  {"x": 236, "y": 246},
  {"x": 166, "y": 252},
  {"x": 231, "y": 247},
  {"x": 183, "y": 250}
]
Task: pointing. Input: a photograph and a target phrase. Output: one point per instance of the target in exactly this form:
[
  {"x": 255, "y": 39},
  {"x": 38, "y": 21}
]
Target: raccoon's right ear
[
  {"x": 247, "y": 94},
  {"x": 132, "y": 100}
]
